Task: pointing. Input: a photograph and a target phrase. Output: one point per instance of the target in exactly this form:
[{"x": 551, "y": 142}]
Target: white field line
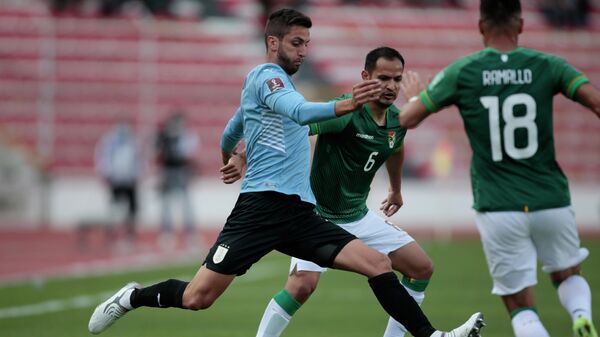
[
  {"x": 257, "y": 273},
  {"x": 103, "y": 267}
]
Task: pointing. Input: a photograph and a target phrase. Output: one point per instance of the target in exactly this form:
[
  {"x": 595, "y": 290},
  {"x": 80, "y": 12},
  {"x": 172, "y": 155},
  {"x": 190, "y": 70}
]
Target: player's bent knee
[
  {"x": 302, "y": 291},
  {"x": 561, "y": 275},
  {"x": 425, "y": 271},
  {"x": 380, "y": 263},
  {"x": 302, "y": 284}
]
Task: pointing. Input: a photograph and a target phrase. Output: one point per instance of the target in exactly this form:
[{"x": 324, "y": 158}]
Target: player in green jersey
[
  {"x": 504, "y": 93},
  {"x": 348, "y": 152}
]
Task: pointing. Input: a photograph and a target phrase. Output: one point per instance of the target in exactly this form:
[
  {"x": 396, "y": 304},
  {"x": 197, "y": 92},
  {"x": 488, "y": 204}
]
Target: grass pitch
[{"x": 342, "y": 306}]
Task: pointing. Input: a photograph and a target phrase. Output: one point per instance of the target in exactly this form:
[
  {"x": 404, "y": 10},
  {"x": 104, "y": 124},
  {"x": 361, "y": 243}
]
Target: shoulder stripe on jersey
[
  {"x": 574, "y": 84},
  {"x": 432, "y": 107}
]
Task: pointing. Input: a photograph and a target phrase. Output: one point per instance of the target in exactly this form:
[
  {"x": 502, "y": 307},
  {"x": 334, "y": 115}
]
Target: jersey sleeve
[
  {"x": 233, "y": 133},
  {"x": 441, "y": 92},
  {"x": 335, "y": 125},
  {"x": 279, "y": 94},
  {"x": 568, "y": 79}
]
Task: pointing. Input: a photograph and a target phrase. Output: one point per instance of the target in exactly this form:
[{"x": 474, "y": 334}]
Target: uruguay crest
[{"x": 220, "y": 253}]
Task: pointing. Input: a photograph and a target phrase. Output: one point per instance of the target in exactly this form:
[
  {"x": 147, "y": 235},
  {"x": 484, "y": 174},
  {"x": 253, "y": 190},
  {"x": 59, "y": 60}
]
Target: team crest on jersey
[
  {"x": 220, "y": 253},
  {"x": 275, "y": 84},
  {"x": 391, "y": 138}
]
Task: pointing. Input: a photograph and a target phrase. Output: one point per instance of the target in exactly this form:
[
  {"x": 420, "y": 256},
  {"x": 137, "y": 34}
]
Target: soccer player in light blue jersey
[{"x": 275, "y": 209}]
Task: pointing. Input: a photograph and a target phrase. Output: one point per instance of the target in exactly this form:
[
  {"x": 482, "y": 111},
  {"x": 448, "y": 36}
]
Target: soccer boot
[
  {"x": 109, "y": 311},
  {"x": 470, "y": 328},
  {"x": 583, "y": 327}
]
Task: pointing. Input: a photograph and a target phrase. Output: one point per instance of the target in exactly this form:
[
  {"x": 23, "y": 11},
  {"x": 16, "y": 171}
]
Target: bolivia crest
[{"x": 391, "y": 138}]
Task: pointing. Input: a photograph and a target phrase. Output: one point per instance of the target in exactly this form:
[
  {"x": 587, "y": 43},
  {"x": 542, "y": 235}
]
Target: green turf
[{"x": 343, "y": 305}]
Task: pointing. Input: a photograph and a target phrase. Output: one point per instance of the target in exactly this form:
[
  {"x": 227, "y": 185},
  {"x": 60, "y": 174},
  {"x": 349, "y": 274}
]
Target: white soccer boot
[
  {"x": 471, "y": 328},
  {"x": 109, "y": 311}
]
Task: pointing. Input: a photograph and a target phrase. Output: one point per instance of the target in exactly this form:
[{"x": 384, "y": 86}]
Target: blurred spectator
[
  {"x": 74, "y": 7},
  {"x": 443, "y": 3},
  {"x": 119, "y": 162},
  {"x": 153, "y": 7},
  {"x": 565, "y": 13},
  {"x": 176, "y": 148},
  {"x": 61, "y": 6},
  {"x": 269, "y": 6}
]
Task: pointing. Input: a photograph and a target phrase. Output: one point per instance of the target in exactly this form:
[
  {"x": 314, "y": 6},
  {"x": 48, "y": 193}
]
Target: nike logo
[{"x": 158, "y": 300}]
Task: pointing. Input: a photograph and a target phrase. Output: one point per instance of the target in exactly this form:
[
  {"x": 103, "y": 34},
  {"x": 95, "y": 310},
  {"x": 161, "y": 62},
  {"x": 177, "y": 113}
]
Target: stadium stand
[
  {"x": 430, "y": 38},
  {"x": 64, "y": 80}
]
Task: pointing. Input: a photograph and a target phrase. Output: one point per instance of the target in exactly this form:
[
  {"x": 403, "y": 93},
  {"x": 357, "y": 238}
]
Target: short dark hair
[
  {"x": 377, "y": 53},
  {"x": 499, "y": 13},
  {"x": 282, "y": 20}
]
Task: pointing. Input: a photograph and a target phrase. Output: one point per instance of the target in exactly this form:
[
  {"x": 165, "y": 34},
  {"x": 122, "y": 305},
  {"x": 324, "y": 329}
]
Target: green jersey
[
  {"x": 348, "y": 152},
  {"x": 505, "y": 100}
]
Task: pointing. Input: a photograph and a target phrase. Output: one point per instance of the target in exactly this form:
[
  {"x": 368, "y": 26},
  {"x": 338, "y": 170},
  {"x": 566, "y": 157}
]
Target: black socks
[
  {"x": 161, "y": 295},
  {"x": 400, "y": 305}
]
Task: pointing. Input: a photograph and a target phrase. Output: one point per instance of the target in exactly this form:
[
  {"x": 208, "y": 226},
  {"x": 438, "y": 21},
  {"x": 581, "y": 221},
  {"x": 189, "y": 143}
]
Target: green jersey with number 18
[
  {"x": 505, "y": 100},
  {"x": 348, "y": 152}
]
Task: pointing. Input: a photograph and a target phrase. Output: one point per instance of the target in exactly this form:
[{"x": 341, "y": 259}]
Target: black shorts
[{"x": 264, "y": 221}]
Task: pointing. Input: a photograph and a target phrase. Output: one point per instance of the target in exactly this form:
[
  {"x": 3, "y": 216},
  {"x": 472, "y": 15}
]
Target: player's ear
[
  {"x": 481, "y": 26},
  {"x": 365, "y": 75},
  {"x": 272, "y": 43},
  {"x": 521, "y": 25}
]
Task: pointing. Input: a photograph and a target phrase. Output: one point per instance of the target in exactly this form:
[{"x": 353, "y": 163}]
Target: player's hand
[
  {"x": 411, "y": 84},
  {"x": 391, "y": 204},
  {"x": 366, "y": 91},
  {"x": 234, "y": 169}
]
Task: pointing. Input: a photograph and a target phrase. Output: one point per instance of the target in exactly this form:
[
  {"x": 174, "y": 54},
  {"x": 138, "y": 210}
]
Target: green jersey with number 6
[
  {"x": 348, "y": 152},
  {"x": 505, "y": 100}
]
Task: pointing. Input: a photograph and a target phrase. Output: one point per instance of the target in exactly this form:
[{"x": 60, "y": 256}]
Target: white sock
[
  {"x": 575, "y": 295},
  {"x": 394, "y": 328},
  {"x": 125, "y": 300},
  {"x": 527, "y": 324},
  {"x": 274, "y": 321}
]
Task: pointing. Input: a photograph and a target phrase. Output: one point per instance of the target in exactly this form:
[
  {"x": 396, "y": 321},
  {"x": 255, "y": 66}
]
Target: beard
[{"x": 286, "y": 63}]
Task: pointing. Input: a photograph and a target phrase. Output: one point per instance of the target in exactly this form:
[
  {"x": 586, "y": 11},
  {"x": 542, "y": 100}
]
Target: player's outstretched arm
[
  {"x": 362, "y": 93},
  {"x": 589, "y": 96},
  {"x": 414, "y": 111}
]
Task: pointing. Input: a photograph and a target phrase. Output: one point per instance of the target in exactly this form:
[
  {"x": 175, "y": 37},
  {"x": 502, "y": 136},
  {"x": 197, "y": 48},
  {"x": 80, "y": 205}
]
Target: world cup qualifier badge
[
  {"x": 391, "y": 138},
  {"x": 275, "y": 84}
]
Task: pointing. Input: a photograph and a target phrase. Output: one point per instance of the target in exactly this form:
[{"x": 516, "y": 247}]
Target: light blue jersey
[{"x": 273, "y": 119}]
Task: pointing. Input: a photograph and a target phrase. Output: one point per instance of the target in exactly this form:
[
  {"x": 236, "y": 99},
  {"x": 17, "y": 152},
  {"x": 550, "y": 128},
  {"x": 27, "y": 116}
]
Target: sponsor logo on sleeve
[{"x": 275, "y": 84}]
